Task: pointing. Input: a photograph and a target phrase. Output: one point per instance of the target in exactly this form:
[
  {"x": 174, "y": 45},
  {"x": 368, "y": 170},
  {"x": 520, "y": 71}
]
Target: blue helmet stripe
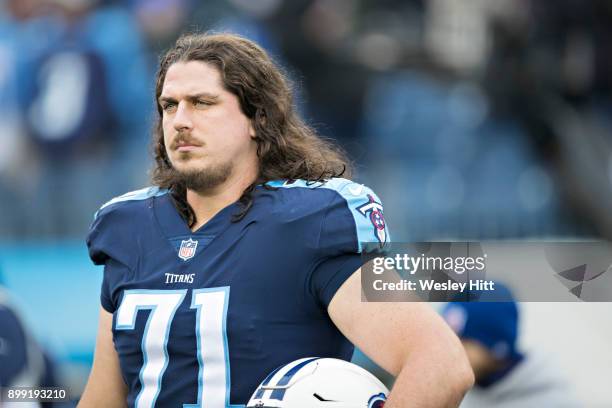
[
  {"x": 261, "y": 391},
  {"x": 280, "y": 394}
]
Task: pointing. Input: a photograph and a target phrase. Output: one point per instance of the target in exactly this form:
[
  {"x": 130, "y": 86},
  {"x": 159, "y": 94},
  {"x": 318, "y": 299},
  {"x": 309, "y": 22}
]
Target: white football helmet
[{"x": 319, "y": 383}]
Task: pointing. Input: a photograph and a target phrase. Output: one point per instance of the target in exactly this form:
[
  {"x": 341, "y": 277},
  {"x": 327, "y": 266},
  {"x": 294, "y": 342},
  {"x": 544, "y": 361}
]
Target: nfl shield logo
[{"x": 187, "y": 249}]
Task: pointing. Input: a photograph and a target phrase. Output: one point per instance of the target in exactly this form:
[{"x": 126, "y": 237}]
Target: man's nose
[{"x": 182, "y": 117}]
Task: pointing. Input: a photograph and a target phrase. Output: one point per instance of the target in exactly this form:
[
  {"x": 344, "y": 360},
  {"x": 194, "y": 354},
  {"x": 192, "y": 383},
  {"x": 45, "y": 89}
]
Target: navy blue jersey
[{"x": 200, "y": 318}]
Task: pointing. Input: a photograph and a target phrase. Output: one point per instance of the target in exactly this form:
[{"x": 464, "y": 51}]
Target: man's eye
[
  {"x": 168, "y": 106},
  {"x": 202, "y": 103}
]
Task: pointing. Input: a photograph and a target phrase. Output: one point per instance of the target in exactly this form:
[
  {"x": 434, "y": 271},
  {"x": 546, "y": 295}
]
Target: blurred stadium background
[{"x": 473, "y": 119}]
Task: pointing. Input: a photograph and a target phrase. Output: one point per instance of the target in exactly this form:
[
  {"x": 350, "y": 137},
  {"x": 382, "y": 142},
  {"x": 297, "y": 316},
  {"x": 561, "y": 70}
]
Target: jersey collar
[{"x": 176, "y": 230}]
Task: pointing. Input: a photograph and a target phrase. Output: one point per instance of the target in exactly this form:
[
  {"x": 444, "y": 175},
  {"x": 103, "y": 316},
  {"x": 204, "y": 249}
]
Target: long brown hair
[{"x": 286, "y": 147}]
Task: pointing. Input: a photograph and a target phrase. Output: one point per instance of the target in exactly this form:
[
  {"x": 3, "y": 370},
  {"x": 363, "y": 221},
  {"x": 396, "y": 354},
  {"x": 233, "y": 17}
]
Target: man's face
[{"x": 207, "y": 136}]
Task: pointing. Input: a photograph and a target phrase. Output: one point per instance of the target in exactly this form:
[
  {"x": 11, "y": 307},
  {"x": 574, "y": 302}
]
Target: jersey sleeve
[
  {"x": 114, "y": 272},
  {"x": 111, "y": 244},
  {"x": 105, "y": 296},
  {"x": 109, "y": 237},
  {"x": 353, "y": 218},
  {"x": 111, "y": 234}
]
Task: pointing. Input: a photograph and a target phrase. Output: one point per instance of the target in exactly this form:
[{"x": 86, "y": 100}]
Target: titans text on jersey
[{"x": 200, "y": 318}]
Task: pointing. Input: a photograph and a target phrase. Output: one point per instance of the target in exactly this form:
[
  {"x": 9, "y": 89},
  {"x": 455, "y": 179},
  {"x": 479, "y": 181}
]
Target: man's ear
[{"x": 252, "y": 132}]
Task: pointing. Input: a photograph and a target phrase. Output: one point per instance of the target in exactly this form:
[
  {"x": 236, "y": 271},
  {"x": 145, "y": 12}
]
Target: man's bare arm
[
  {"x": 105, "y": 387},
  {"x": 410, "y": 341}
]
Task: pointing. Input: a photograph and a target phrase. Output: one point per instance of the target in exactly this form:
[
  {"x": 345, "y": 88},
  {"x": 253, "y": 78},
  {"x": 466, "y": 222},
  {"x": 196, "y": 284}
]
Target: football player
[
  {"x": 245, "y": 255},
  {"x": 505, "y": 376}
]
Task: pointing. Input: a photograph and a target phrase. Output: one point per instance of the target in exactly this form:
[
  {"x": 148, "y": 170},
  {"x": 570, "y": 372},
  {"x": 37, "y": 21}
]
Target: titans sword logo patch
[{"x": 373, "y": 210}]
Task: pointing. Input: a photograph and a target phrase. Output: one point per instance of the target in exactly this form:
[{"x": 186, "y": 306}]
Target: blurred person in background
[
  {"x": 505, "y": 377},
  {"x": 85, "y": 109},
  {"x": 23, "y": 363},
  {"x": 554, "y": 58},
  {"x": 75, "y": 81},
  {"x": 19, "y": 21}
]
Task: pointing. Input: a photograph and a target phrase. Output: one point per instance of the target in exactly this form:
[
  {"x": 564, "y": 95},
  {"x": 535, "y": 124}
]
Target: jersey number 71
[{"x": 211, "y": 315}]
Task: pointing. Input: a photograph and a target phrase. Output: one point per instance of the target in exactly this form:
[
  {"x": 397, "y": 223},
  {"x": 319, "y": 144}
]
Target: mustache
[{"x": 183, "y": 138}]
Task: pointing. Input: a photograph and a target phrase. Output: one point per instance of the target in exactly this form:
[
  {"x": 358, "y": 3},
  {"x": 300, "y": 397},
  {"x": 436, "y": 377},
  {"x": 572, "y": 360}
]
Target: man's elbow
[
  {"x": 462, "y": 375},
  {"x": 466, "y": 378}
]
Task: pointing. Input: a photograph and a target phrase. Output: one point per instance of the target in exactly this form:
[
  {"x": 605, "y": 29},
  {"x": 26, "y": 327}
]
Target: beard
[{"x": 200, "y": 180}]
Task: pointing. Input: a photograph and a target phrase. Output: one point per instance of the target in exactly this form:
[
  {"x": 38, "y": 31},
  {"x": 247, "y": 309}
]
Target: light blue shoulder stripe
[
  {"x": 364, "y": 204},
  {"x": 333, "y": 184},
  {"x": 135, "y": 195}
]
